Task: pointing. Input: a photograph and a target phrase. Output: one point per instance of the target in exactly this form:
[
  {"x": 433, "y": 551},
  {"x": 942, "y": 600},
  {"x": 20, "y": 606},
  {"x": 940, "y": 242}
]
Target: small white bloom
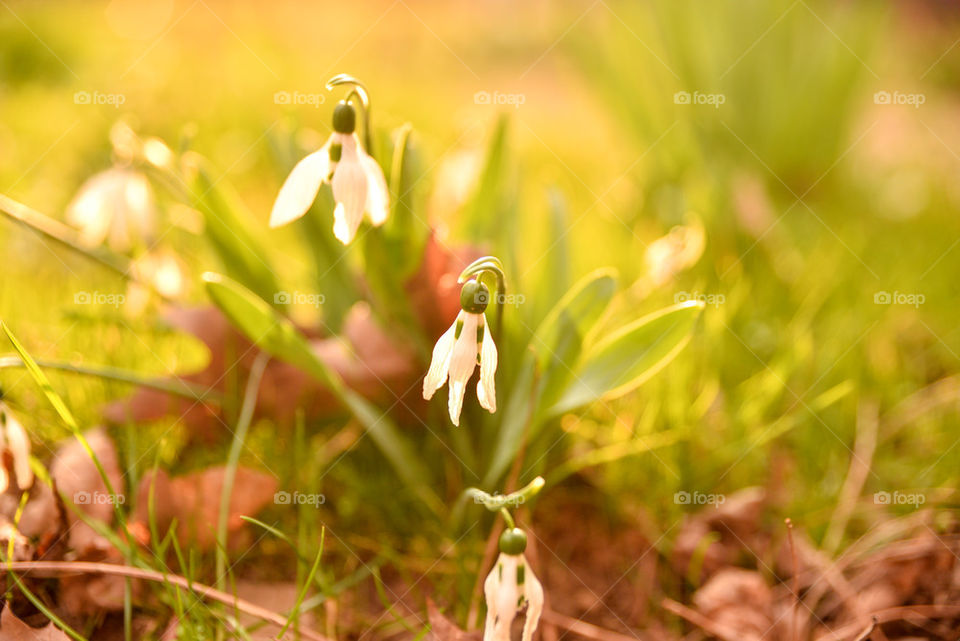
[
  {"x": 455, "y": 357},
  {"x": 355, "y": 177},
  {"x": 510, "y": 584},
  {"x": 115, "y": 206},
  {"x": 14, "y": 440}
]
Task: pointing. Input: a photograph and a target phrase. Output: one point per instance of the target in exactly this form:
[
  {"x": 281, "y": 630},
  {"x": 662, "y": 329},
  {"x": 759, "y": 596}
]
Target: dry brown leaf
[
  {"x": 433, "y": 290},
  {"x": 77, "y": 478},
  {"x": 194, "y": 500},
  {"x": 367, "y": 359},
  {"x": 443, "y": 629},
  {"x": 277, "y": 597},
  {"x": 739, "y": 600},
  {"x": 735, "y": 522},
  {"x": 13, "y": 629}
]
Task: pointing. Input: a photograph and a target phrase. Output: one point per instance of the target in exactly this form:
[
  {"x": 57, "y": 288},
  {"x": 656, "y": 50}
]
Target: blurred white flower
[
  {"x": 165, "y": 274},
  {"x": 671, "y": 254},
  {"x": 510, "y": 584},
  {"x": 15, "y": 442},
  {"x": 115, "y": 206},
  {"x": 459, "y": 349},
  {"x": 356, "y": 178}
]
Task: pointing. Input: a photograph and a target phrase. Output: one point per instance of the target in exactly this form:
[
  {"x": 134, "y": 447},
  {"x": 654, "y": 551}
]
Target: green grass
[{"x": 597, "y": 163}]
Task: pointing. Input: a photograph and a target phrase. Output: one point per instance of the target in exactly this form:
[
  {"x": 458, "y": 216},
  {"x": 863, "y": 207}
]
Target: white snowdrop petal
[
  {"x": 18, "y": 444},
  {"x": 91, "y": 210},
  {"x": 455, "y": 400},
  {"x": 462, "y": 363},
  {"x": 378, "y": 195},
  {"x": 138, "y": 197},
  {"x": 440, "y": 363},
  {"x": 341, "y": 230},
  {"x": 300, "y": 188},
  {"x": 533, "y": 593},
  {"x": 486, "y": 387},
  {"x": 350, "y": 190},
  {"x": 502, "y": 595}
]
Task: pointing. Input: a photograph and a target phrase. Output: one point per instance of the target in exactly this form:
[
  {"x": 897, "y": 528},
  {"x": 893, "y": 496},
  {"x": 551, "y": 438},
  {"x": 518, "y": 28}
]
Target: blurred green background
[{"x": 816, "y": 143}]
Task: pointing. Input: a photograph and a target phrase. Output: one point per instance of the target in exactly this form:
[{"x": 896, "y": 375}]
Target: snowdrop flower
[
  {"x": 460, "y": 348},
  {"x": 14, "y": 440},
  {"x": 356, "y": 178},
  {"x": 510, "y": 584},
  {"x": 115, "y": 206}
]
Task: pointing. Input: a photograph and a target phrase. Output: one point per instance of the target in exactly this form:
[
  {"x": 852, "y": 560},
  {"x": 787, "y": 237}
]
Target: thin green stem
[
  {"x": 177, "y": 388},
  {"x": 233, "y": 459},
  {"x": 62, "y": 234}
]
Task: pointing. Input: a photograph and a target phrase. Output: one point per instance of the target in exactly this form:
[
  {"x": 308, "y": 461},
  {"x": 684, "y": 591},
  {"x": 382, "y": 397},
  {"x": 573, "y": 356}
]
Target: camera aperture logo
[
  {"x": 499, "y": 98},
  {"x": 299, "y": 298},
  {"x": 698, "y": 98},
  {"x": 699, "y": 498},
  {"x": 114, "y": 100},
  {"x": 899, "y": 298},
  {"x": 298, "y": 498}
]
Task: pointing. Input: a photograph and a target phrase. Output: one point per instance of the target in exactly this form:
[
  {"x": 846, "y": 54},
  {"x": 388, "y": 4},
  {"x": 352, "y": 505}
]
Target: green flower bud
[
  {"x": 513, "y": 541},
  {"x": 344, "y": 118},
  {"x": 474, "y": 297}
]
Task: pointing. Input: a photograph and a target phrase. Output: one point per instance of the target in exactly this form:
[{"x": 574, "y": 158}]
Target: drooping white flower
[
  {"x": 458, "y": 351},
  {"x": 511, "y": 584},
  {"x": 355, "y": 177},
  {"x": 115, "y": 206},
  {"x": 14, "y": 440}
]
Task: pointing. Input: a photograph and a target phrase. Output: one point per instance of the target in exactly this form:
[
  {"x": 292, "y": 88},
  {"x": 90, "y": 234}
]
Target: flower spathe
[
  {"x": 355, "y": 177},
  {"x": 454, "y": 358},
  {"x": 510, "y": 584}
]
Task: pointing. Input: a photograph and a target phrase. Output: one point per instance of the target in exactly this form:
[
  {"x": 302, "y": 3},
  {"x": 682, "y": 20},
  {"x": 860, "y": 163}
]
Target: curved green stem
[
  {"x": 498, "y": 502},
  {"x": 489, "y": 265},
  {"x": 359, "y": 90}
]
